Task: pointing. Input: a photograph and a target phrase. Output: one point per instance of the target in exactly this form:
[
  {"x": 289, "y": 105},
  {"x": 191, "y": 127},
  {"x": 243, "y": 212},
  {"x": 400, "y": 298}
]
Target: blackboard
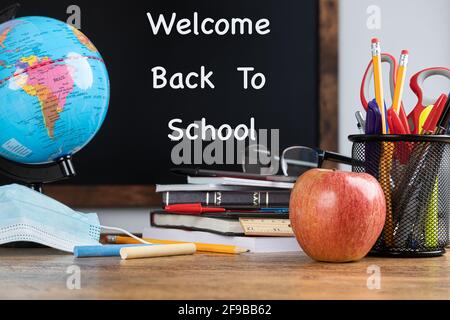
[{"x": 132, "y": 146}]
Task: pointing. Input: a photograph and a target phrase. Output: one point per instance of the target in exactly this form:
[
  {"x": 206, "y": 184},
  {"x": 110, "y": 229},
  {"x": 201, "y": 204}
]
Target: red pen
[{"x": 192, "y": 208}]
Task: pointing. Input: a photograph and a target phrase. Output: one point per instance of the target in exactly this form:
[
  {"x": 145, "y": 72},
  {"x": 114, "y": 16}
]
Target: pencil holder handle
[{"x": 414, "y": 172}]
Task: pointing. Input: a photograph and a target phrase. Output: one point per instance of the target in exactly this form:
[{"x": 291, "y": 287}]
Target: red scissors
[
  {"x": 398, "y": 124},
  {"x": 416, "y": 85}
]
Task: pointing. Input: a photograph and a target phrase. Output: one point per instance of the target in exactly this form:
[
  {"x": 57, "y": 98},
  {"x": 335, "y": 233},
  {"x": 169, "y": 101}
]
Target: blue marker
[
  {"x": 112, "y": 250},
  {"x": 274, "y": 210}
]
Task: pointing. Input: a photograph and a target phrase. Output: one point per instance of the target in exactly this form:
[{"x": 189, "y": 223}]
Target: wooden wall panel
[
  {"x": 328, "y": 86},
  {"x": 105, "y": 196}
]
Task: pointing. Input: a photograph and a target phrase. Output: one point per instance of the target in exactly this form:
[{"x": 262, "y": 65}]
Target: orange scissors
[{"x": 416, "y": 85}]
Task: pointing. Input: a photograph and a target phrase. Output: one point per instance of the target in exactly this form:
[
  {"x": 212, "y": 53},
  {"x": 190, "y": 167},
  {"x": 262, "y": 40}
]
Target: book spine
[{"x": 257, "y": 199}]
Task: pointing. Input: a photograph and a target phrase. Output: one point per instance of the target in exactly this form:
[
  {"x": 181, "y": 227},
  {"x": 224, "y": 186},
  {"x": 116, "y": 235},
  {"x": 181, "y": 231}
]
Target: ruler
[{"x": 267, "y": 227}]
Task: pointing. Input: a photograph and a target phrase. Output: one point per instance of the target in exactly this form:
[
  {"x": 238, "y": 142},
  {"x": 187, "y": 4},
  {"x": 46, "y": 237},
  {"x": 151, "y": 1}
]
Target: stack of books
[{"x": 247, "y": 213}]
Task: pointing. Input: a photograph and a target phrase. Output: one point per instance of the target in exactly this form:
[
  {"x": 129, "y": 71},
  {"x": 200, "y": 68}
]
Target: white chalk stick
[{"x": 157, "y": 251}]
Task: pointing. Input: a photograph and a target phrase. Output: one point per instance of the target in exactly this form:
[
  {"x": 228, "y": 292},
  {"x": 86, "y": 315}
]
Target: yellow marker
[
  {"x": 378, "y": 80},
  {"x": 431, "y": 219},
  {"x": 202, "y": 247},
  {"x": 400, "y": 82},
  {"x": 423, "y": 117}
]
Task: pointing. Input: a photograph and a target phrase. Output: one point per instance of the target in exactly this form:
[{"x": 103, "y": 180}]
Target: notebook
[
  {"x": 254, "y": 244},
  {"x": 234, "y": 214},
  {"x": 257, "y": 199},
  {"x": 199, "y": 187},
  {"x": 228, "y": 227},
  {"x": 226, "y": 181},
  {"x": 225, "y": 223}
]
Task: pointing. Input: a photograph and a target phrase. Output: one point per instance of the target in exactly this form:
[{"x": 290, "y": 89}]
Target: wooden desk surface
[{"x": 41, "y": 274}]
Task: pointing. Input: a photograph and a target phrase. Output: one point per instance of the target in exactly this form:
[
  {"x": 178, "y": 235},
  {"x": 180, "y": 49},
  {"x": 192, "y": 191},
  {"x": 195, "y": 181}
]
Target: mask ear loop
[{"x": 126, "y": 232}]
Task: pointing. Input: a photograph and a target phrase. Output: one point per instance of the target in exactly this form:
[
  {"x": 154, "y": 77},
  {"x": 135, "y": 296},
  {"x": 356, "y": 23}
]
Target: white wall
[
  {"x": 421, "y": 26},
  {"x": 134, "y": 220}
]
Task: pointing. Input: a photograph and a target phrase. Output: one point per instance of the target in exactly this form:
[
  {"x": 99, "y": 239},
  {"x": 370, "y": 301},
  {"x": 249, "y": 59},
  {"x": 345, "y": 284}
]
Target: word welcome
[{"x": 208, "y": 26}]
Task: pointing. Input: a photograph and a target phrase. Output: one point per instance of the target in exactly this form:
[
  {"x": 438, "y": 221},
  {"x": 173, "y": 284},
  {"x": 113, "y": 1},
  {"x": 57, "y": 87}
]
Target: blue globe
[{"x": 54, "y": 90}]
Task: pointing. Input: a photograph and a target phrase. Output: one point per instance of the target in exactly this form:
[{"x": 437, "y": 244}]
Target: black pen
[{"x": 443, "y": 120}]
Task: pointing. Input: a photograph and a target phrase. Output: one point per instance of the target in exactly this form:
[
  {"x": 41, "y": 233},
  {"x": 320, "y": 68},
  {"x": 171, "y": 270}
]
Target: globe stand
[{"x": 36, "y": 175}]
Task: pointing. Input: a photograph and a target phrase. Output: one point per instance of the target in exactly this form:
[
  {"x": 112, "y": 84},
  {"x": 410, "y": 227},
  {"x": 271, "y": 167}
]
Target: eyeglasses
[{"x": 294, "y": 160}]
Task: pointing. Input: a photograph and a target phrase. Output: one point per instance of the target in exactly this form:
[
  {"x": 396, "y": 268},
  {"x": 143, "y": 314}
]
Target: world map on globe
[{"x": 54, "y": 90}]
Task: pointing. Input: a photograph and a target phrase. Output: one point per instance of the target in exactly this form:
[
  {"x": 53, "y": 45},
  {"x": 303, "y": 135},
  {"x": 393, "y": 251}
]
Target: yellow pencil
[
  {"x": 378, "y": 80},
  {"x": 400, "y": 82},
  {"x": 387, "y": 153},
  {"x": 202, "y": 247},
  {"x": 387, "y": 147}
]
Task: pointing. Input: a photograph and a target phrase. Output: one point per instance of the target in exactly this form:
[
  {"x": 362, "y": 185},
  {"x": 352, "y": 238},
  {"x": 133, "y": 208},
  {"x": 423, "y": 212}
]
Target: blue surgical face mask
[{"x": 26, "y": 215}]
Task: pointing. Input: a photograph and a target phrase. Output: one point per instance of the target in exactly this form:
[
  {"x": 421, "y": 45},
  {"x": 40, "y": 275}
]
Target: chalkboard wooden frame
[{"x": 145, "y": 196}]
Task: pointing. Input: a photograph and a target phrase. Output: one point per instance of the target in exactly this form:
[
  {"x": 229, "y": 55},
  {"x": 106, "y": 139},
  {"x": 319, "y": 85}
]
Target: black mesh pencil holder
[{"x": 414, "y": 172}]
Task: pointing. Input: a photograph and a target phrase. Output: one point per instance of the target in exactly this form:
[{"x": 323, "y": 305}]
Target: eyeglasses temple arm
[{"x": 336, "y": 157}]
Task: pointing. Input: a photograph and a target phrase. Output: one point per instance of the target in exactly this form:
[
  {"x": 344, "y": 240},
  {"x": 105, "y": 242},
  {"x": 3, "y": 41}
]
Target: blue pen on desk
[{"x": 102, "y": 251}]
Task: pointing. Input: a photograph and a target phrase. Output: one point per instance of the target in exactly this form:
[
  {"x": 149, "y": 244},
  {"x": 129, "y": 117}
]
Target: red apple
[{"x": 337, "y": 216}]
